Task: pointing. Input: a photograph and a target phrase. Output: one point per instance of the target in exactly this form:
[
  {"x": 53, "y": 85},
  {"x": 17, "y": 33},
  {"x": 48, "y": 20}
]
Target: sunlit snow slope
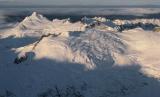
[{"x": 89, "y": 58}]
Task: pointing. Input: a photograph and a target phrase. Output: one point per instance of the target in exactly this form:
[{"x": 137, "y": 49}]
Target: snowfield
[{"x": 90, "y": 58}]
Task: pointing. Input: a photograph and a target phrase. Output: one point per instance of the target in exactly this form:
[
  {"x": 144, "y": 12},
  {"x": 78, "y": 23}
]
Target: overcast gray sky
[{"x": 81, "y": 2}]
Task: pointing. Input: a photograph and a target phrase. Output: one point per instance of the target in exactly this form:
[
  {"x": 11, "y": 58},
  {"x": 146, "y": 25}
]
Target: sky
[{"x": 80, "y": 2}]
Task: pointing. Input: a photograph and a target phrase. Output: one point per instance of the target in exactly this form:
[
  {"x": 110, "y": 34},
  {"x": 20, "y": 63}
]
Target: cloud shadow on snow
[{"x": 109, "y": 80}]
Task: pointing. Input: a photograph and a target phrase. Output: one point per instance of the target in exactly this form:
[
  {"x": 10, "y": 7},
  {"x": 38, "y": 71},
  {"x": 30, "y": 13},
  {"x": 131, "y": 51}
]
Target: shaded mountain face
[{"x": 88, "y": 58}]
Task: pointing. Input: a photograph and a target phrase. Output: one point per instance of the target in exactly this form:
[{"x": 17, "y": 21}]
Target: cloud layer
[{"x": 85, "y": 2}]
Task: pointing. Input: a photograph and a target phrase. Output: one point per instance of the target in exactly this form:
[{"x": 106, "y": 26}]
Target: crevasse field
[{"x": 91, "y": 57}]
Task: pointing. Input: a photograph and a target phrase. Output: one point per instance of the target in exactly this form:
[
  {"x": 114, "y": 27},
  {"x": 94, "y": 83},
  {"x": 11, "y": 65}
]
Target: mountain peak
[
  {"x": 32, "y": 20},
  {"x": 35, "y": 15}
]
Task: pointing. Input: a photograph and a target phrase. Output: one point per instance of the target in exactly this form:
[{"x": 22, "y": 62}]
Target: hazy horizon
[
  {"x": 78, "y": 6},
  {"x": 79, "y": 3}
]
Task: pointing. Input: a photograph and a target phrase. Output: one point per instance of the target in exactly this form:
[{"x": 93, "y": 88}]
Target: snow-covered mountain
[
  {"x": 32, "y": 21},
  {"x": 89, "y": 58}
]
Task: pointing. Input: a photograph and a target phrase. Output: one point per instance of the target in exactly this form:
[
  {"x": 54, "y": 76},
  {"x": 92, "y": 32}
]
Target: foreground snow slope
[{"x": 78, "y": 59}]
